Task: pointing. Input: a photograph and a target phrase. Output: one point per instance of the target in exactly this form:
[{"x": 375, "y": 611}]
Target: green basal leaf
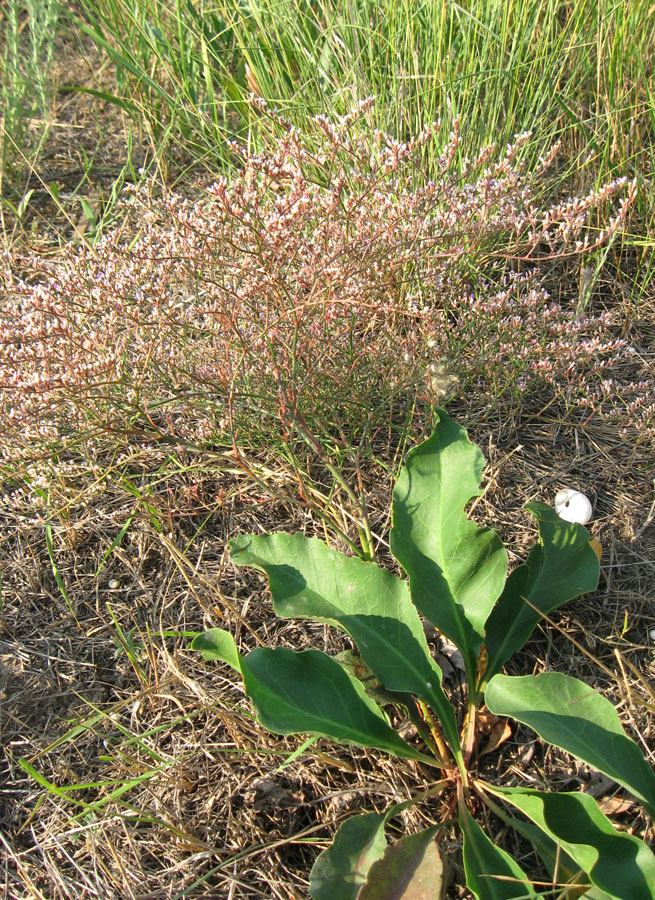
[
  {"x": 615, "y": 862},
  {"x": 310, "y": 692},
  {"x": 340, "y": 871},
  {"x": 559, "y": 568},
  {"x": 411, "y": 869},
  {"x": 561, "y": 867},
  {"x": 309, "y": 580},
  {"x": 570, "y": 714},
  {"x": 491, "y": 874},
  {"x": 456, "y": 569},
  {"x": 217, "y": 645}
]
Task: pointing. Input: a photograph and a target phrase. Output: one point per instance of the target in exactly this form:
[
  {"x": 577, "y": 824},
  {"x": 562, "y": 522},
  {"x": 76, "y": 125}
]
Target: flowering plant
[
  {"x": 456, "y": 578},
  {"x": 334, "y": 272}
]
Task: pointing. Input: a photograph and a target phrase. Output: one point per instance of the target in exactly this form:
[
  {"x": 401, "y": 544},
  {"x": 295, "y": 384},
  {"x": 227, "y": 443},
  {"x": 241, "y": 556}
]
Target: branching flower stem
[{"x": 468, "y": 732}]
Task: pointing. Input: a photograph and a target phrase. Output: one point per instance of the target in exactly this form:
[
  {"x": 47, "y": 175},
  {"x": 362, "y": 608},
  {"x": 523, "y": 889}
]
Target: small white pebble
[
  {"x": 573, "y": 506},
  {"x": 114, "y": 584}
]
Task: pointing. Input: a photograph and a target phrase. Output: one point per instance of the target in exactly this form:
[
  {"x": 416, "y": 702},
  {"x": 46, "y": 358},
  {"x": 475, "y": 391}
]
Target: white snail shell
[{"x": 573, "y": 506}]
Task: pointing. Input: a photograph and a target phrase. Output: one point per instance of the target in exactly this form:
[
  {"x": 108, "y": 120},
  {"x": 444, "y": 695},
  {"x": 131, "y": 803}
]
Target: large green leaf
[
  {"x": 560, "y": 567},
  {"x": 310, "y": 580},
  {"x": 307, "y": 692},
  {"x": 616, "y": 862},
  {"x": 411, "y": 869},
  {"x": 310, "y": 692},
  {"x": 456, "y": 569},
  {"x": 341, "y": 870},
  {"x": 570, "y": 714},
  {"x": 491, "y": 873}
]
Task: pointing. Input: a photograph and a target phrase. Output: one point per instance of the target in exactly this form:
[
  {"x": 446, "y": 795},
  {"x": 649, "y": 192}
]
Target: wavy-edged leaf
[
  {"x": 559, "y": 568},
  {"x": 570, "y": 714},
  {"x": 615, "y": 862},
  {"x": 491, "y": 873},
  {"x": 310, "y": 580},
  {"x": 310, "y": 692},
  {"x": 217, "y": 645},
  {"x": 456, "y": 569},
  {"x": 340, "y": 871},
  {"x": 411, "y": 869}
]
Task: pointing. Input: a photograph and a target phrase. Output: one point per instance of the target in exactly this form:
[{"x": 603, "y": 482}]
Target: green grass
[
  {"x": 28, "y": 29},
  {"x": 580, "y": 69},
  {"x": 575, "y": 71}
]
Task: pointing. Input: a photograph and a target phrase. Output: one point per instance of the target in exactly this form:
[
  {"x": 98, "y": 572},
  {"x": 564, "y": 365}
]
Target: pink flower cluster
[{"x": 327, "y": 277}]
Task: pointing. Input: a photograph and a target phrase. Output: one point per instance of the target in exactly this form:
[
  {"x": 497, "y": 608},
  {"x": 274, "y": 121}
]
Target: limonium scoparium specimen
[{"x": 296, "y": 288}]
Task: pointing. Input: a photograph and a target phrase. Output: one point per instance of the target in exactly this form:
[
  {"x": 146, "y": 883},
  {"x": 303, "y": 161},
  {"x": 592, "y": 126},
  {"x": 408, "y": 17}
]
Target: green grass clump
[
  {"x": 29, "y": 28},
  {"x": 580, "y": 69},
  {"x": 579, "y": 72}
]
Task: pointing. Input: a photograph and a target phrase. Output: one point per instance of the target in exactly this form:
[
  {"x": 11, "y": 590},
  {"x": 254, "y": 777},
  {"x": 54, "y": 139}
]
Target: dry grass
[
  {"x": 201, "y": 817},
  {"x": 178, "y": 789}
]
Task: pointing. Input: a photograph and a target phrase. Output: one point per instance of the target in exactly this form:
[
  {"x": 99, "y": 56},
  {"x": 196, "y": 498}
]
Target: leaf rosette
[{"x": 455, "y": 576}]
